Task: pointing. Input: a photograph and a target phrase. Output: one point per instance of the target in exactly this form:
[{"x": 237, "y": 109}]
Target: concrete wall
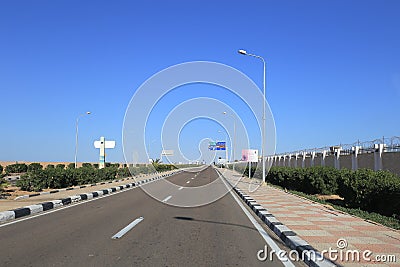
[
  {"x": 308, "y": 162},
  {"x": 317, "y": 160},
  {"x": 366, "y": 161},
  {"x": 299, "y": 161},
  {"x": 391, "y": 161},
  {"x": 345, "y": 162},
  {"x": 330, "y": 161}
]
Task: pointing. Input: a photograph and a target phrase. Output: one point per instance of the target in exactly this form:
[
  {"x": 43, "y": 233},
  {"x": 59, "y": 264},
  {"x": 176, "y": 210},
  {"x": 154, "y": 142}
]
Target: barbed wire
[{"x": 391, "y": 144}]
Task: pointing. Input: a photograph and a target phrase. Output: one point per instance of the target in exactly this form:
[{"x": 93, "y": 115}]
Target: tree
[
  {"x": 50, "y": 166},
  {"x": 1, "y": 169},
  {"x": 157, "y": 161},
  {"x": 71, "y": 166},
  {"x": 17, "y": 168},
  {"x": 87, "y": 165},
  {"x": 115, "y": 165},
  {"x": 35, "y": 167},
  {"x": 60, "y": 166}
]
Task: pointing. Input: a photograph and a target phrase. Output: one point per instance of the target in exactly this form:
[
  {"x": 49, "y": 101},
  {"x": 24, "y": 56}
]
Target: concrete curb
[
  {"x": 312, "y": 257},
  {"x": 72, "y": 188},
  {"x": 40, "y": 207}
]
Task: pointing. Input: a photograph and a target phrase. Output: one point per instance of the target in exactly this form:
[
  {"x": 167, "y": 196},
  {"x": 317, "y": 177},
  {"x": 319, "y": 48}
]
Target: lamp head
[
  {"x": 242, "y": 52},
  {"x": 88, "y": 112}
]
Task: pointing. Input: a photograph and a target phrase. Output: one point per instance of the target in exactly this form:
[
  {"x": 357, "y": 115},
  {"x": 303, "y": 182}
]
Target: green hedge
[
  {"x": 37, "y": 178},
  {"x": 60, "y": 178},
  {"x": 374, "y": 191},
  {"x": 16, "y": 168}
]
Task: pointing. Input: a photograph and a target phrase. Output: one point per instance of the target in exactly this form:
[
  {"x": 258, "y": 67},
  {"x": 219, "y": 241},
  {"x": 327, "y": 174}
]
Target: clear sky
[{"x": 333, "y": 68}]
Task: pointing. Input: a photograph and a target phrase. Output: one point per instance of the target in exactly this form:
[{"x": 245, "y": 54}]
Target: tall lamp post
[
  {"x": 244, "y": 52},
  {"x": 76, "y": 134},
  {"x": 234, "y": 139}
]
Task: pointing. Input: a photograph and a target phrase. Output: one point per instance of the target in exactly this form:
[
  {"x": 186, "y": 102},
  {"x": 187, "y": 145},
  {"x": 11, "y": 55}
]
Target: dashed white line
[
  {"x": 285, "y": 260},
  {"x": 192, "y": 178},
  {"x": 188, "y": 182},
  {"x": 180, "y": 188},
  {"x": 167, "y": 198},
  {"x": 127, "y": 228}
]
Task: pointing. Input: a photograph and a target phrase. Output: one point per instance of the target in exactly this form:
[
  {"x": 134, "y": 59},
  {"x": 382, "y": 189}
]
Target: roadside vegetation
[
  {"x": 2, "y": 182},
  {"x": 36, "y": 178},
  {"x": 372, "y": 195}
]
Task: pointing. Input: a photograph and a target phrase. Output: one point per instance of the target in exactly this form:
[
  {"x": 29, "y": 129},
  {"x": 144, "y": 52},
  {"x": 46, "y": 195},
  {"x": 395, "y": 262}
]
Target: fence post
[
  {"x": 337, "y": 158},
  {"x": 303, "y": 163},
  {"x": 378, "y": 156},
  {"x": 323, "y": 158},
  {"x": 295, "y": 159},
  {"x": 354, "y": 157},
  {"x": 312, "y": 158}
]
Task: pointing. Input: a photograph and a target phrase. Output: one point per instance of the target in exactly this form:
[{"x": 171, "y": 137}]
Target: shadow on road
[{"x": 205, "y": 221}]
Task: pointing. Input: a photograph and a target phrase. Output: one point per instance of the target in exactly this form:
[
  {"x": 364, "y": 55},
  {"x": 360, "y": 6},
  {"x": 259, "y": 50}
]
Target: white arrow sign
[
  {"x": 108, "y": 144},
  {"x": 102, "y": 145}
]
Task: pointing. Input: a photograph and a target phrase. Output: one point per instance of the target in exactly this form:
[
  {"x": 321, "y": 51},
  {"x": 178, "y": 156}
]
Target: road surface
[{"x": 217, "y": 234}]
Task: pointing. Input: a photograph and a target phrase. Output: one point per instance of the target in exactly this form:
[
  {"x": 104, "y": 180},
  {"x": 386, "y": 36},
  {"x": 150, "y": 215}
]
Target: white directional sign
[
  {"x": 102, "y": 145},
  {"x": 167, "y": 153},
  {"x": 108, "y": 144}
]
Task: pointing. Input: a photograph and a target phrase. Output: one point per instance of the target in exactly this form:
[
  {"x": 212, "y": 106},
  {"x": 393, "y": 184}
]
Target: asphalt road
[{"x": 217, "y": 234}]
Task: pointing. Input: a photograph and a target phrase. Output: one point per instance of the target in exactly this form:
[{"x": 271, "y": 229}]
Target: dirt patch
[
  {"x": 11, "y": 192},
  {"x": 329, "y": 197}
]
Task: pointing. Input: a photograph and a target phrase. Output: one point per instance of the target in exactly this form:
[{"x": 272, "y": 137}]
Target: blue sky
[{"x": 333, "y": 67}]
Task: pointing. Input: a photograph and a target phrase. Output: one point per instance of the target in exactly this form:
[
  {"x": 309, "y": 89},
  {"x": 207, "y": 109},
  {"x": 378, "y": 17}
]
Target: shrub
[
  {"x": 71, "y": 166},
  {"x": 123, "y": 172},
  {"x": 35, "y": 167},
  {"x": 87, "y": 165},
  {"x": 17, "y": 168},
  {"x": 376, "y": 191},
  {"x": 60, "y": 166},
  {"x": 50, "y": 166}
]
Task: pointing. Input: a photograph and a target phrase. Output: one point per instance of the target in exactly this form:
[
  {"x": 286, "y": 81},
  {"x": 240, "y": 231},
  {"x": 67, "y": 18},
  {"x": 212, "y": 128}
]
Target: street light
[
  {"x": 76, "y": 133},
  {"x": 234, "y": 139},
  {"x": 244, "y": 52},
  {"x": 152, "y": 160}
]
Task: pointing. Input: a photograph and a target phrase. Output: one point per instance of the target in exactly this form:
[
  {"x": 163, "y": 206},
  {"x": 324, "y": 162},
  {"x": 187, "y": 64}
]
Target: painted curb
[{"x": 289, "y": 237}]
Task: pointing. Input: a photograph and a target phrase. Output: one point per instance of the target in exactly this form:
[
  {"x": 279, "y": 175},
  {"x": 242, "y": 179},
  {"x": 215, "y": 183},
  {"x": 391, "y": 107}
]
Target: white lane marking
[
  {"x": 188, "y": 182},
  {"x": 65, "y": 207},
  {"x": 127, "y": 228},
  {"x": 192, "y": 178},
  {"x": 71, "y": 205},
  {"x": 167, "y": 198},
  {"x": 180, "y": 188},
  {"x": 285, "y": 261}
]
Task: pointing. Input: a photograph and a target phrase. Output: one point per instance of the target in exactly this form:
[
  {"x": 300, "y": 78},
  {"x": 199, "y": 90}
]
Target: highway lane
[{"x": 217, "y": 234}]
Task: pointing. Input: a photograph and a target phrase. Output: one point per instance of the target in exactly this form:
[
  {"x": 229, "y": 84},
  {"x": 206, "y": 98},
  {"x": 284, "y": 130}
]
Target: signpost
[
  {"x": 166, "y": 153},
  {"x": 219, "y": 146},
  {"x": 250, "y": 155},
  {"x": 102, "y": 145}
]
